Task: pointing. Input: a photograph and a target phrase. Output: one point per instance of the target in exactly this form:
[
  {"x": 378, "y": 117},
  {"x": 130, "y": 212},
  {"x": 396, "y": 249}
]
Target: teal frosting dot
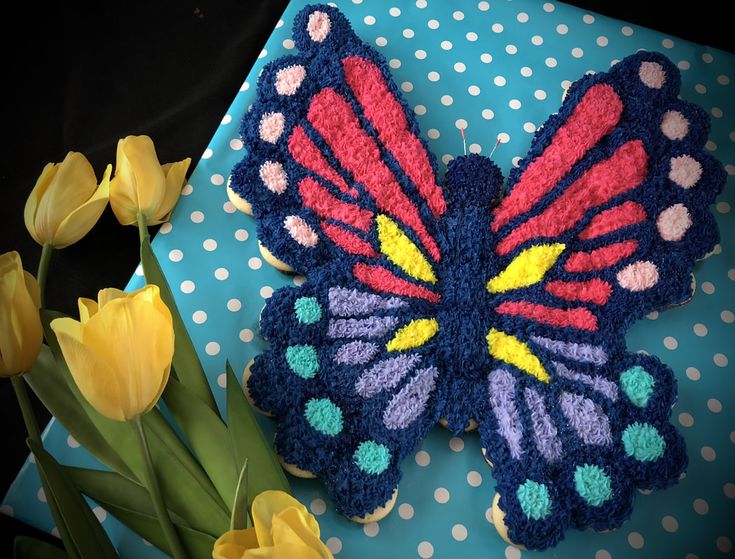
[
  {"x": 643, "y": 442},
  {"x": 308, "y": 310},
  {"x": 637, "y": 384},
  {"x": 593, "y": 484},
  {"x": 303, "y": 360},
  {"x": 324, "y": 416},
  {"x": 372, "y": 457},
  {"x": 535, "y": 500}
]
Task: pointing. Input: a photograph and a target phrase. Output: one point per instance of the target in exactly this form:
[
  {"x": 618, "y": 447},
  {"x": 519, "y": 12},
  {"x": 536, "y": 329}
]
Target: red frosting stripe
[
  {"x": 306, "y": 154},
  {"x": 348, "y": 241},
  {"x": 594, "y": 291},
  {"x": 333, "y": 117},
  {"x": 595, "y": 116},
  {"x": 386, "y": 115},
  {"x": 579, "y": 318},
  {"x": 621, "y": 172},
  {"x": 626, "y": 214},
  {"x": 600, "y": 258},
  {"x": 326, "y": 206},
  {"x": 382, "y": 279}
]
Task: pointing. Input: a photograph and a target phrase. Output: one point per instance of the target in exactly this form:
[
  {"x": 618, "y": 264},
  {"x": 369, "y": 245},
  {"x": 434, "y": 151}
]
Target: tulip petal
[
  {"x": 87, "y": 309},
  {"x": 150, "y": 182},
  {"x": 81, "y": 220},
  {"x": 268, "y": 504},
  {"x": 233, "y": 543},
  {"x": 108, "y": 294},
  {"x": 33, "y": 288},
  {"x": 152, "y": 294},
  {"x": 96, "y": 380},
  {"x": 73, "y": 184},
  {"x": 31, "y": 207},
  {"x": 175, "y": 176},
  {"x": 284, "y": 551},
  {"x": 291, "y": 526}
]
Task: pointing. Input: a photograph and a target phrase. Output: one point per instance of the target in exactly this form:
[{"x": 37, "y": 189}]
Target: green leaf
[
  {"x": 31, "y": 548},
  {"x": 240, "y": 518},
  {"x": 184, "y": 484},
  {"x": 84, "y": 529},
  {"x": 207, "y": 434},
  {"x": 186, "y": 362},
  {"x": 249, "y": 442}
]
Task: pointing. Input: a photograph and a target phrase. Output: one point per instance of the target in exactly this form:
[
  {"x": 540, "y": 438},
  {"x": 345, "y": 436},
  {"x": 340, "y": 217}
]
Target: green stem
[
  {"x": 142, "y": 226},
  {"x": 43, "y": 265},
  {"x": 169, "y": 531}
]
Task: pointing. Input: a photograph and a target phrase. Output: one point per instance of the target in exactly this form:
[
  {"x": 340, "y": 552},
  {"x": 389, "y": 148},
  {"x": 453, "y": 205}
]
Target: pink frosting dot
[
  {"x": 318, "y": 26},
  {"x": 289, "y": 79},
  {"x": 271, "y": 127},
  {"x": 674, "y": 125},
  {"x": 274, "y": 177},
  {"x": 674, "y": 222},
  {"x": 685, "y": 171},
  {"x": 300, "y": 231},
  {"x": 638, "y": 276},
  {"x": 652, "y": 74}
]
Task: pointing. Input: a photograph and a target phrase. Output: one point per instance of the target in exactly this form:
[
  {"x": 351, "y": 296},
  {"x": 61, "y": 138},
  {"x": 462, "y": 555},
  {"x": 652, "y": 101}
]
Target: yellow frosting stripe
[
  {"x": 414, "y": 334},
  {"x": 402, "y": 251},
  {"x": 527, "y": 268},
  {"x": 512, "y": 350}
]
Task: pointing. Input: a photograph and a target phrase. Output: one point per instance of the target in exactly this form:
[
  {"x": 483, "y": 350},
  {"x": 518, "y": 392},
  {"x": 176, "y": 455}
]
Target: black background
[{"x": 78, "y": 77}]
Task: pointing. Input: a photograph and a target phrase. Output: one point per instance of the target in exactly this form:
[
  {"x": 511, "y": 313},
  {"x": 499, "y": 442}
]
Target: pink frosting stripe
[
  {"x": 595, "y": 116},
  {"x": 626, "y": 214},
  {"x": 306, "y": 154},
  {"x": 326, "y": 206},
  {"x": 348, "y": 241},
  {"x": 600, "y": 258},
  {"x": 385, "y": 113},
  {"x": 579, "y": 317}
]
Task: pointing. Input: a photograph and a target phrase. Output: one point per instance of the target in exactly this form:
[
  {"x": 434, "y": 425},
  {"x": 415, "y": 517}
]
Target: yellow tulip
[
  {"x": 66, "y": 201},
  {"x": 21, "y": 334},
  {"x": 283, "y": 529},
  {"x": 120, "y": 350},
  {"x": 142, "y": 185}
]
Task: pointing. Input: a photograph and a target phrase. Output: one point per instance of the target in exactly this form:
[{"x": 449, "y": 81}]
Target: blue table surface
[{"x": 498, "y": 68}]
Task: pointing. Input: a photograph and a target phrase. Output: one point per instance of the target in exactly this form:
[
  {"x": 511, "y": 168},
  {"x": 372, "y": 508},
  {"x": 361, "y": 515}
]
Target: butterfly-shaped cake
[{"x": 466, "y": 301}]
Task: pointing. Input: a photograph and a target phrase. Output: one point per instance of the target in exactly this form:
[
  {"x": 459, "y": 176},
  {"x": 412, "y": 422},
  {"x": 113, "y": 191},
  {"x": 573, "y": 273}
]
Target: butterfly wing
[
  {"x": 602, "y": 224},
  {"x": 345, "y": 191}
]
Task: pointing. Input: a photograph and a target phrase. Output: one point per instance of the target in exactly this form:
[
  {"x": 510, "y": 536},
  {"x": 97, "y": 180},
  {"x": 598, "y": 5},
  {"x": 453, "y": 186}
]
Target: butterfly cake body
[{"x": 469, "y": 301}]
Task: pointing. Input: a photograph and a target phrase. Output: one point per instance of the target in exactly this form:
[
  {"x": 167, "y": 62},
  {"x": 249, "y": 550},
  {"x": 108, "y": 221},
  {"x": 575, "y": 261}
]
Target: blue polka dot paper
[{"x": 497, "y": 69}]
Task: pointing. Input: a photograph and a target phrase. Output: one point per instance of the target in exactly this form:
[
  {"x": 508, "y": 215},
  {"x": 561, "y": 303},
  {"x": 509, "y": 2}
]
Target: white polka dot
[
  {"x": 511, "y": 49},
  {"x": 499, "y": 81},
  {"x": 717, "y": 112},
  {"x": 441, "y": 495},
  {"x": 708, "y": 453},
  {"x": 727, "y": 317},
  {"x": 175, "y": 255},
  {"x": 588, "y": 18},
  {"x": 394, "y": 63},
  {"x": 635, "y": 540},
  {"x": 266, "y": 292},
  {"x": 456, "y": 444},
  {"x": 653, "y": 315},
  {"x": 425, "y": 550},
  {"x": 371, "y": 529},
  {"x": 407, "y": 87},
  {"x": 221, "y": 274},
  {"x": 714, "y": 405},
  {"x": 236, "y": 144},
  {"x": 433, "y": 133},
  {"x": 395, "y": 12},
  {"x": 710, "y": 145},
  {"x": 487, "y": 114},
  {"x": 516, "y": 160},
  {"x": 526, "y": 72},
  {"x": 318, "y": 507},
  {"x": 433, "y": 24},
  {"x": 71, "y": 442},
  {"x": 7, "y": 510},
  {"x": 241, "y": 235},
  {"x": 199, "y": 317},
  {"x": 246, "y": 335},
  {"x": 471, "y": 36},
  {"x": 381, "y": 41},
  {"x": 334, "y": 544},
  {"x": 602, "y": 41},
  {"x": 512, "y": 552},
  {"x": 475, "y": 148},
  {"x": 700, "y": 330},
  {"x": 405, "y": 511},
  {"x": 55, "y": 532},
  {"x": 459, "y": 532},
  {"x": 670, "y": 342},
  {"x": 730, "y": 168},
  {"x": 222, "y": 380},
  {"x": 670, "y": 524},
  {"x": 212, "y": 348},
  {"x": 459, "y": 67},
  {"x": 209, "y": 245},
  {"x": 474, "y": 478},
  {"x": 486, "y": 57},
  {"x": 562, "y": 29},
  {"x": 537, "y": 40},
  {"x": 234, "y": 305},
  {"x": 483, "y": 6},
  {"x": 729, "y": 490},
  {"x": 693, "y": 373},
  {"x": 667, "y": 43},
  {"x": 420, "y": 54},
  {"x": 684, "y": 65},
  {"x": 229, "y": 207},
  {"x": 165, "y": 228},
  {"x": 700, "y": 506},
  {"x": 139, "y": 271},
  {"x": 255, "y": 263},
  {"x": 708, "y": 287},
  {"x": 207, "y": 153},
  {"x": 577, "y": 52},
  {"x": 433, "y": 76},
  {"x": 529, "y": 127},
  {"x": 550, "y": 62},
  {"x": 188, "y": 189},
  {"x": 446, "y": 45},
  {"x": 41, "y": 495},
  {"x": 217, "y": 179},
  {"x": 539, "y": 94},
  {"x": 197, "y": 216},
  {"x": 446, "y": 158},
  {"x": 446, "y": 100},
  {"x": 497, "y": 27},
  {"x": 503, "y": 137},
  {"x": 626, "y": 30},
  {"x": 566, "y": 84},
  {"x": 460, "y": 124},
  {"x": 459, "y": 16},
  {"x": 723, "y": 207},
  {"x": 421, "y": 4},
  {"x": 408, "y": 33},
  {"x": 603, "y": 554},
  {"x": 100, "y": 513},
  {"x": 423, "y": 458},
  {"x": 724, "y": 545},
  {"x": 419, "y": 110},
  {"x": 686, "y": 419},
  {"x": 369, "y": 20}
]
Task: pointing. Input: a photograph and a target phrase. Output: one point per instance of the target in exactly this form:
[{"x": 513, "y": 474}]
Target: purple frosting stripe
[
  {"x": 579, "y": 352},
  {"x": 371, "y": 327},
  {"x": 587, "y": 418},
  {"x": 605, "y": 387},
  {"x": 544, "y": 431},
  {"x": 410, "y": 402},
  {"x": 351, "y": 302},
  {"x": 356, "y": 353},
  {"x": 501, "y": 387},
  {"x": 385, "y": 374}
]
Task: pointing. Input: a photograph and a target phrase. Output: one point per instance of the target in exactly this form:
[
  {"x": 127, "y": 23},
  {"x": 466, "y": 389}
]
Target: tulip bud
[
  {"x": 142, "y": 185},
  {"x": 21, "y": 334},
  {"x": 120, "y": 351},
  {"x": 66, "y": 201}
]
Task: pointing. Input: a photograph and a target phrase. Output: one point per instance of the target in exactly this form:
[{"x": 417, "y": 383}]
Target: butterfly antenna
[
  {"x": 494, "y": 148},
  {"x": 464, "y": 140}
]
